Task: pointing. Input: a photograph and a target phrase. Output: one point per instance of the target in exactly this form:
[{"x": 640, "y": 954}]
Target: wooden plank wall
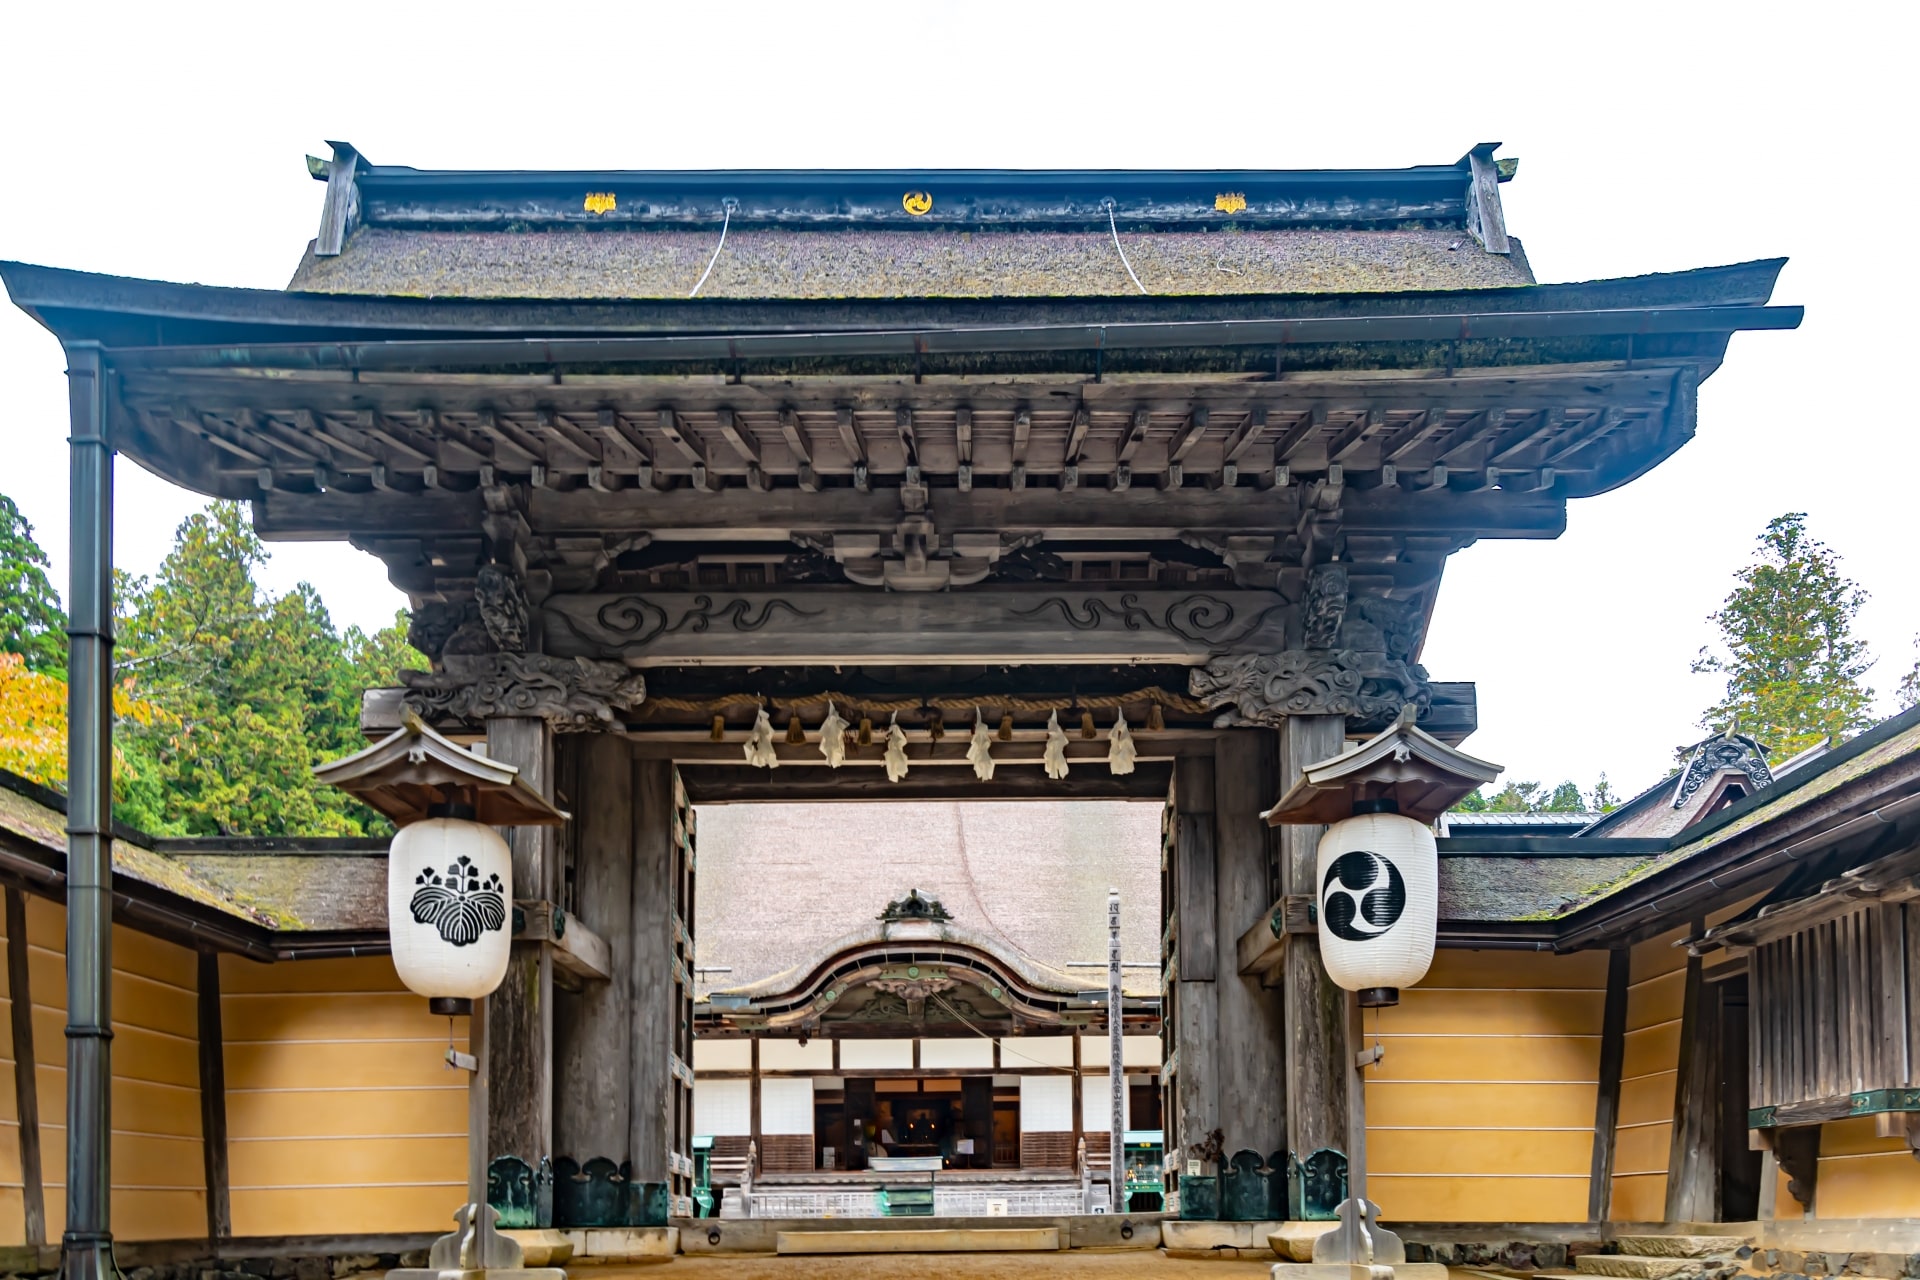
[
  {"x": 342, "y": 1115},
  {"x": 1656, "y": 994},
  {"x": 1482, "y": 1109},
  {"x": 13, "y": 1211},
  {"x": 159, "y": 1177}
]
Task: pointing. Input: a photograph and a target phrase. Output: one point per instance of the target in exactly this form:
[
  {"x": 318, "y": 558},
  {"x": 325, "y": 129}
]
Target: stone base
[
  {"x": 1328, "y": 1271},
  {"x": 1227, "y": 1240},
  {"x": 498, "y": 1273},
  {"x": 541, "y": 1246},
  {"x": 623, "y": 1244},
  {"x": 1680, "y": 1246},
  {"x": 1621, "y": 1266},
  {"x": 1294, "y": 1240},
  {"x": 922, "y": 1240}
]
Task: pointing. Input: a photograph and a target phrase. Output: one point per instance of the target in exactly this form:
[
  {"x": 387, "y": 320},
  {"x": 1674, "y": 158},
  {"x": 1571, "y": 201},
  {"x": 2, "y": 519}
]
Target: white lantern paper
[
  {"x": 1379, "y": 878},
  {"x": 448, "y": 887}
]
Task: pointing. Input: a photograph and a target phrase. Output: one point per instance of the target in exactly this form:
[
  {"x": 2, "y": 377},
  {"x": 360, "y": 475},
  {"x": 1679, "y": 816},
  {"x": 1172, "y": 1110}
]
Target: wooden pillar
[
  {"x": 26, "y": 1091},
  {"x": 520, "y": 1013},
  {"x": 592, "y": 1028},
  {"x": 1693, "y": 1155},
  {"x": 1250, "y": 1051},
  {"x": 1197, "y": 1002},
  {"x": 1606, "y": 1107},
  {"x": 976, "y": 1102},
  {"x": 1319, "y": 1058},
  {"x": 213, "y": 1100},
  {"x": 653, "y": 990}
]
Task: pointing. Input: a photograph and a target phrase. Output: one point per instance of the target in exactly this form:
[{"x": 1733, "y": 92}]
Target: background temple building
[{"x": 878, "y": 568}]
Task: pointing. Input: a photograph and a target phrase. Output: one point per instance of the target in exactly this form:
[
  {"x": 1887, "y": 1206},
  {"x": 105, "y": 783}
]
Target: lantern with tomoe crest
[
  {"x": 1377, "y": 873},
  {"x": 449, "y": 873}
]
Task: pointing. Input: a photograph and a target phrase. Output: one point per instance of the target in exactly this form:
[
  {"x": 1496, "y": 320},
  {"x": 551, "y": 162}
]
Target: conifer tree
[
  {"x": 32, "y": 623},
  {"x": 1794, "y": 668}
]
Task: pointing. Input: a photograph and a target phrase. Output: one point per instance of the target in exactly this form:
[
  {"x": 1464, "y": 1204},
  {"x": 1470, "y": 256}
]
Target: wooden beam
[
  {"x": 1136, "y": 435},
  {"x": 669, "y": 425},
  {"x": 217, "y": 435},
  {"x": 396, "y": 435},
  {"x": 1470, "y": 433},
  {"x": 1485, "y": 217},
  {"x": 1076, "y": 435},
  {"x": 715, "y": 627},
  {"x": 1246, "y": 435},
  {"x": 571, "y": 438},
  {"x": 726, "y": 784},
  {"x": 1189, "y": 434},
  {"x": 1413, "y": 435},
  {"x": 795, "y": 434},
  {"x": 963, "y": 434},
  {"x": 1518, "y": 440},
  {"x": 1606, "y": 1111},
  {"x": 1355, "y": 434},
  {"x": 1260, "y": 951},
  {"x": 336, "y": 209},
  {"x": 26, "y": 1089},
  {"x": 506, "y": 436},
  {"x": 1595, "y": 428},
  {"x": 903, "y": 426},
  {"x": 1296, "y": 435},
  {"x": 213, "y": 1100},
  {"x": 850, "y": 436},
  {"x": 732, "y": 429},
  {"x": 578, "y": 951}
]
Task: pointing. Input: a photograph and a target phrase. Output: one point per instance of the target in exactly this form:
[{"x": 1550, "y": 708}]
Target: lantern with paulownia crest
[
  {"x": 449, "y": 873},
  {"x": 1377, "y": 875}
]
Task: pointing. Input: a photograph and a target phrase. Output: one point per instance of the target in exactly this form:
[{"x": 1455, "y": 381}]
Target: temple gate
[{"x": 653, "y": 545}]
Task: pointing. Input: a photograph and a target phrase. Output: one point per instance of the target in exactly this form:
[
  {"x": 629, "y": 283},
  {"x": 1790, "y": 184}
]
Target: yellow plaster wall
[
  {"x": 1482, "y": 1109},
  {"x": 159, "y": 1174},
  {"x": 13, "y": 1208},
  {"x": 1862, "y": 1176},
  {"x": 342, "y": 1115},
  {"x": 1650, "y": 1067}
]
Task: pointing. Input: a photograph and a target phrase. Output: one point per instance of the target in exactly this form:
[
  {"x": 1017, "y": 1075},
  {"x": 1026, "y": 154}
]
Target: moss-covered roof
[
  {"x": 30, "y": 815},
  {"x": 930, "y": 263}
]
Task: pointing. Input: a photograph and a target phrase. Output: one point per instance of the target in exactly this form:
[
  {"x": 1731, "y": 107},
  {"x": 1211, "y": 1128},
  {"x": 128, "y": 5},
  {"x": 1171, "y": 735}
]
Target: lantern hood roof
[
  {"x": 1414, "y": 772},
  {"x": 413, "y": 768}
]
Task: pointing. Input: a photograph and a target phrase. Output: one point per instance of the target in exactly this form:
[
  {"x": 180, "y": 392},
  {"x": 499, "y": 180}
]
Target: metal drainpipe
[{"x": 87, "y": 1244}]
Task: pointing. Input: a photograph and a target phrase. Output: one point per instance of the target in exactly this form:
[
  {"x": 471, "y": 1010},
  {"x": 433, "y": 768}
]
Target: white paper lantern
[
  {"x": 1379, "y": 878},
  {"x": 449, "y": 882}
]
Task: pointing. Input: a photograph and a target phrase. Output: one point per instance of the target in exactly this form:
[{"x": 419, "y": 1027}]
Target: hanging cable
[
  {"x": 1115, "y": 230},
  {"x": 728, "y": 206}
]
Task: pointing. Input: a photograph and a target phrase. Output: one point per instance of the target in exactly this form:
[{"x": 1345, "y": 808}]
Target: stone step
[
  {"x": 1627, "y": 1266},
  {"x": 922, "y": 1240},
  {"x": 1680, "y": 1246}
]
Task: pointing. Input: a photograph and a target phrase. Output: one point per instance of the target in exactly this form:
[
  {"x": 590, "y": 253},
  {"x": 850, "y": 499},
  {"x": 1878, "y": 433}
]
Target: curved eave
[{"x": 128, "y": 313}]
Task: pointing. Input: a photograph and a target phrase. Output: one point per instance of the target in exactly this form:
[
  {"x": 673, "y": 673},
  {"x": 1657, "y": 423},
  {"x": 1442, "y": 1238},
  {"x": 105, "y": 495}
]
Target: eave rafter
[{"x": 1567, "y": 430}]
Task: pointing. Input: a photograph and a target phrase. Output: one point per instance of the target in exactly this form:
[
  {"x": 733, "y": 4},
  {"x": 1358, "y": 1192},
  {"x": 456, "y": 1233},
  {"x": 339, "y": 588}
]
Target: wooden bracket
[
  {"x": 579, "y": 954},
  {"x": 1263, "y": 948}
]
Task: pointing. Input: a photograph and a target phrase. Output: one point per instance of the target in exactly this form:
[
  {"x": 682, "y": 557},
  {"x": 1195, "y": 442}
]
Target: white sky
[{"x": 165, "y": 141}]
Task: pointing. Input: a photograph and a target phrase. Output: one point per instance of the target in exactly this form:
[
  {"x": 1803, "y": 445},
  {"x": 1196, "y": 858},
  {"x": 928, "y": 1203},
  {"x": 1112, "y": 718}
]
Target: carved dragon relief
[
  {"x": 571, "y": 694},
  {"x": 1724, "y": 751},
  {"x": 1354, "y": 660}
]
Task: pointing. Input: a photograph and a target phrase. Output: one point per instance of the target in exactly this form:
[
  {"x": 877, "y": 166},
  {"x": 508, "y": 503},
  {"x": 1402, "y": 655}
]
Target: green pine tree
[
  {"x": 1794, "y": 669},
  {"x": 32, "y": 623}
]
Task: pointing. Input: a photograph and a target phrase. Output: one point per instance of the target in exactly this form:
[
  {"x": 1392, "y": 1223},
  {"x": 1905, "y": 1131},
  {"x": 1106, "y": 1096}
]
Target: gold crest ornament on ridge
[
  {"x": 917, "y": 203},
  {"x": 1229, "y": 202},
  {"x": 600, "y": 202}
]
